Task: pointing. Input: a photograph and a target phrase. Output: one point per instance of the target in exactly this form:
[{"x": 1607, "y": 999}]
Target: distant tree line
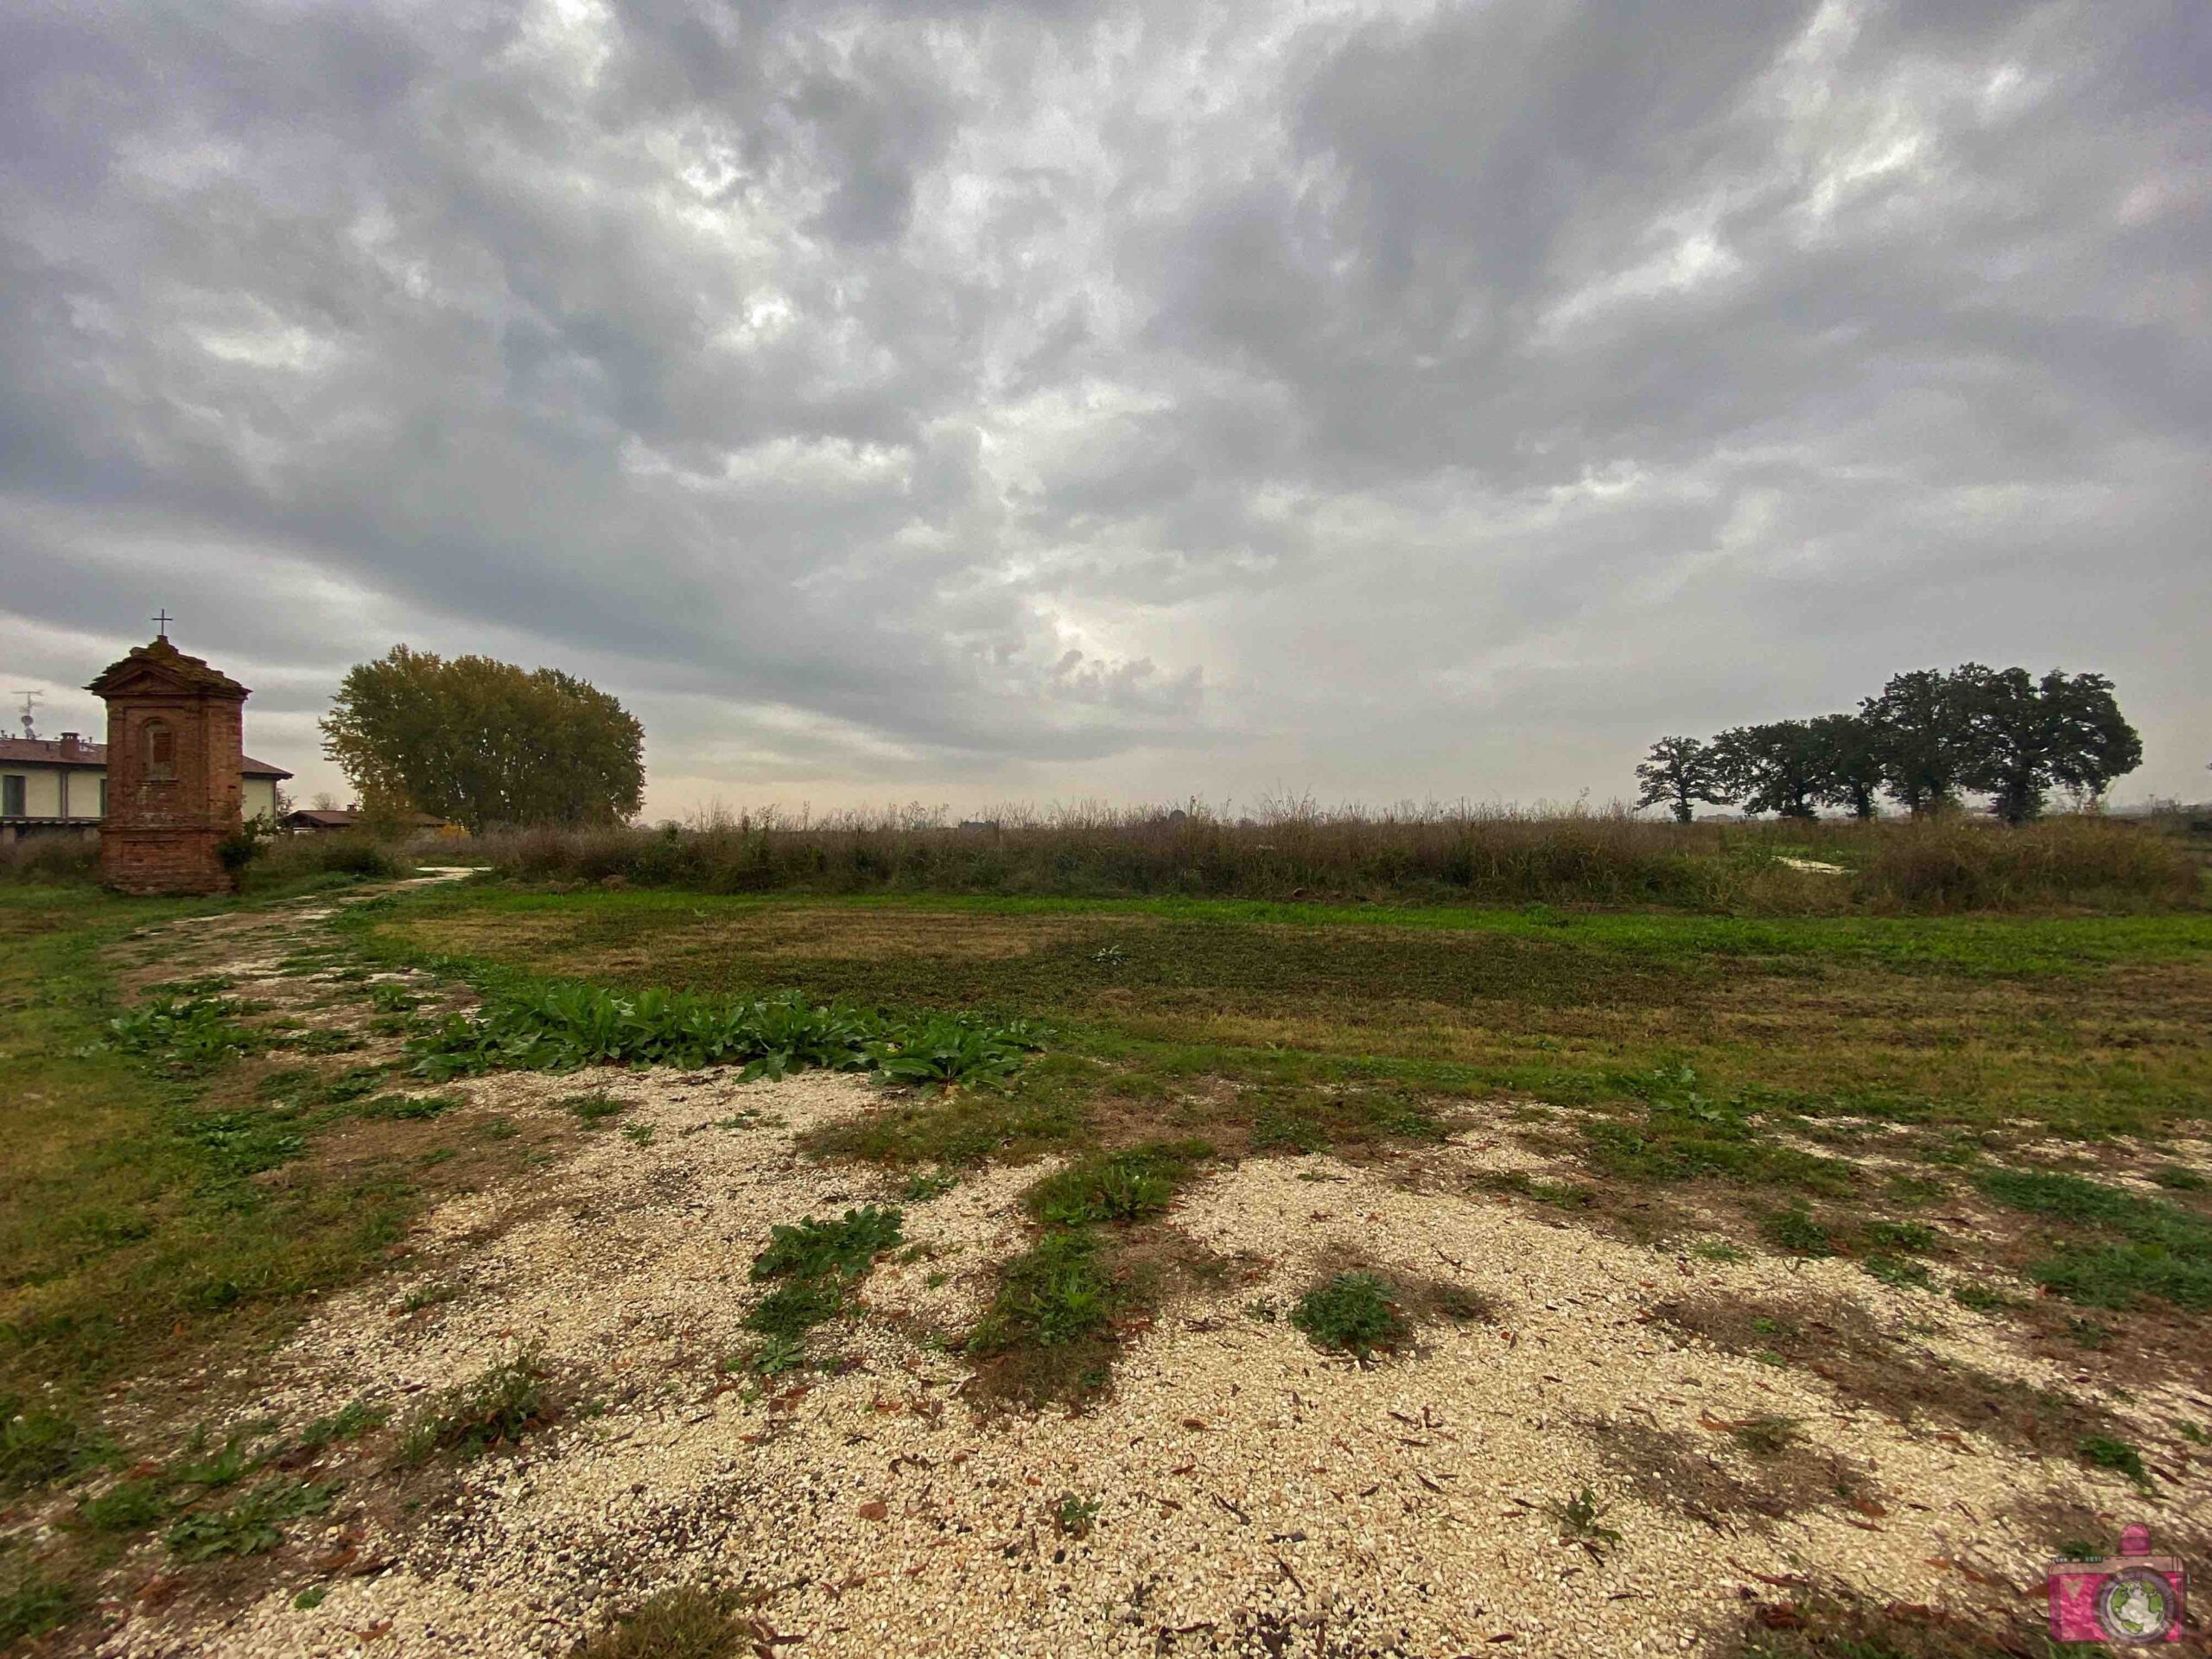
[{"x": 1929, "y": 739}]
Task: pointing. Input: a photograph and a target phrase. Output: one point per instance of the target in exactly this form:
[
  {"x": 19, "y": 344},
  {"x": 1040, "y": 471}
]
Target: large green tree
[
  {"x": 1776, "y": 767},
  {"x": 2029, "y": 736},
  {"x": 483, "y": 742},
  {"x": 1679, "y": 772},
  {"x": 1849, "y": 750},
  {"x": 1926, "y": 737},
  {"x": 2095, "y": 744}
]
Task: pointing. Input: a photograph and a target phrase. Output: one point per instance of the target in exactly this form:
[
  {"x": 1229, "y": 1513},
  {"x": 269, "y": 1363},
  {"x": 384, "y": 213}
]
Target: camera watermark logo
[{"x": 2130, "y": 1597}]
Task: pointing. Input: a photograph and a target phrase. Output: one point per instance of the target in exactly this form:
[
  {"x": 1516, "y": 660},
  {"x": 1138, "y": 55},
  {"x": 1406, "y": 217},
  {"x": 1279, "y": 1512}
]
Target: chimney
[{"x": 71, "y": 746}]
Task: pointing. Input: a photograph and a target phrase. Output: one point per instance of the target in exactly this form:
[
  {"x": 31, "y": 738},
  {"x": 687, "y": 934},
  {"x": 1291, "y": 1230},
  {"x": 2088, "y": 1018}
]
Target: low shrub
[
  {"x": 1284, "y": 849},
  {"x": 1295, "y": 850},
  {"x": 51, "y": 859},
  {"x": 348, "y": 853}
]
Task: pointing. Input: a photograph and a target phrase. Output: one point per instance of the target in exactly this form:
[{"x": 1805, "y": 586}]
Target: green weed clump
[
  {"x": 127, "y": 1506},
  {"x": 38, "y": 1446},
  {"x": 813, "y": 1265},
  {"x": 32, "y": 1604},
  {"x": 184, "y": 1036},
  {"x": 251, "y": 1525},
  {"x": 1682, "y": 1134},
  {"x": 563, "y": 1027},
  {"x": 1581, "y": 1519},
  {"x": 1353, "y": 1313},
  {"x": 1126, "y": 1185},
  {"x": 1794, "y": 1229},
  {"x": 1767, "y": 1435},
  {"x": 686, "y": 1623},
  {"x": 596, "y": 1108},
  {"x": 2102, "y": 1452},
  {"x": 843, "y": 1249},
  {"x": 499, "y": 1407},
  {"x": 1057, "y": 1294},
  {"x": 1074, "y": 1516}
]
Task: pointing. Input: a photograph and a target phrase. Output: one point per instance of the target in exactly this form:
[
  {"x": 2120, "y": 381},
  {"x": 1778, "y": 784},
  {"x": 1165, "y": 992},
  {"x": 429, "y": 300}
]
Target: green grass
[
  {"x": 2088, "y": 1024},
  {"x": 2102, "y": 1452},
  {"x": 133, "y": 1230},
  {"x": 2130, "y": 1245}
]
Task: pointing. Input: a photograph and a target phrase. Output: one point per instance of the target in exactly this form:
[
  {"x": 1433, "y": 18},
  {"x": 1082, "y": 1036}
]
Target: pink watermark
[{"x": 2130, "y": 1597}]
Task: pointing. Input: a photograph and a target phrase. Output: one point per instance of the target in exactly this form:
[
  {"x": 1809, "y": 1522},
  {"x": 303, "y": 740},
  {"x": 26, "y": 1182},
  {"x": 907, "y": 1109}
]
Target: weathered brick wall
[{"x": 162, "y": 832}]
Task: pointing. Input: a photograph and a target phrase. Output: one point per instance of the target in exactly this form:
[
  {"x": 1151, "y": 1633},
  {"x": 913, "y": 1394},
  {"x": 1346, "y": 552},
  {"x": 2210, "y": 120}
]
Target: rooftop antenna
[{"x": 31, "y": 699}]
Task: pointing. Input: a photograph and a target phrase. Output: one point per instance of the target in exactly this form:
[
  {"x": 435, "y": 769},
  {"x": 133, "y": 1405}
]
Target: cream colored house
[{"x": 56, "y": 782}]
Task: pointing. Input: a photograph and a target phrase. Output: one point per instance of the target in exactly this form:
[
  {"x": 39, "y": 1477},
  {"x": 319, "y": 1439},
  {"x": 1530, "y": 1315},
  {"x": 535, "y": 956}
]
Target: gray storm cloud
[{"x": 1146, "y": 399}]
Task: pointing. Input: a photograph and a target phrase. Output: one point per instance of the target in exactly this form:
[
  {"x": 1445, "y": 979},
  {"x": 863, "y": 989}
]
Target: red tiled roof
[{"x": 48, "y": 751}]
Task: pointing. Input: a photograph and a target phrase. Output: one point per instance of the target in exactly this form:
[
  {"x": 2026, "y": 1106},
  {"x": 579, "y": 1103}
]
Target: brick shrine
[{"x": 176, "y": 740}]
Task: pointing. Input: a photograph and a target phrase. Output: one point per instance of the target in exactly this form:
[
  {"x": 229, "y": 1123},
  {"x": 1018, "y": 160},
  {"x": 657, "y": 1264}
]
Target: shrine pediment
[{"x": 160, "y": 670}]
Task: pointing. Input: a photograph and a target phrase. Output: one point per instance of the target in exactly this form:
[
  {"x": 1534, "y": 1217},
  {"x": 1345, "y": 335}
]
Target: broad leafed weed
[{"x": 564, "y": 1027}]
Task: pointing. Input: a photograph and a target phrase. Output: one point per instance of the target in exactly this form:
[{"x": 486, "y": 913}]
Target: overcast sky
[{"x": 967, "y": 401}]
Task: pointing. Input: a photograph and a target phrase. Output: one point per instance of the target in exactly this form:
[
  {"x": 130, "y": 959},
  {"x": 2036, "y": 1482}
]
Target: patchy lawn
[{"x": 1328, "y": 1279}]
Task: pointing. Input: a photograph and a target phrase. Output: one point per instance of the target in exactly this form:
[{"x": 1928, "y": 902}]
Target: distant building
[
  {"x": 323, "y": 820},
  {"x": 49, "y": 784}
]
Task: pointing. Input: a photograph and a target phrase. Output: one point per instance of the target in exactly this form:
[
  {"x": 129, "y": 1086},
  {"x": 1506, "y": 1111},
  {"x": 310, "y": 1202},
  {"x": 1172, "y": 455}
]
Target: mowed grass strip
[{"x": 2090, "y": 1024}]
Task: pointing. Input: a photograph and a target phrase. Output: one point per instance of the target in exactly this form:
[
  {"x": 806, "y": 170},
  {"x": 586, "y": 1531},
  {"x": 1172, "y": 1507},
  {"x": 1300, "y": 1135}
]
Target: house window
[
  {"x": 160, "y": 752},
  {"x": 11, "y": 797},
  {"x": 99, "y": 809}
]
